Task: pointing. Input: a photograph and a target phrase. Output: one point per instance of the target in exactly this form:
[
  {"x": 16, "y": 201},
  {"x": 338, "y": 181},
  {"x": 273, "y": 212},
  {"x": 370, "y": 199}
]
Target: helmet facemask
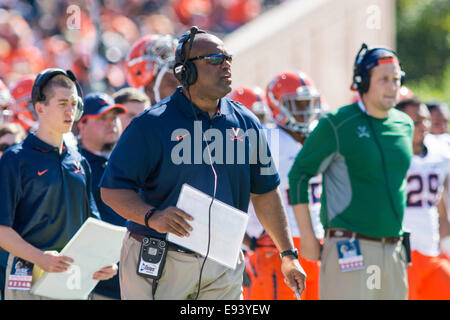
[
  {"x": 155, "y": 54},
  {"x": 302, "y": 109},
  {"x": 159, "y": 53}
]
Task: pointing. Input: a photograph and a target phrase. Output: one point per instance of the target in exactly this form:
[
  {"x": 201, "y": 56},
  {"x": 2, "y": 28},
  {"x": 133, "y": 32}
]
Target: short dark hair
[
  {"x": 438, "y": 105},
  {"x": 130, "y": 94},
  {"x": 415, "y": 102},
  {"x": 59, "y": 80}
]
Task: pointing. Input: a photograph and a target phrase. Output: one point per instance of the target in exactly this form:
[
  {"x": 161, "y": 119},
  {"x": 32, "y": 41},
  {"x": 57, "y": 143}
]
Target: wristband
[{"x": 148, "y": 216}]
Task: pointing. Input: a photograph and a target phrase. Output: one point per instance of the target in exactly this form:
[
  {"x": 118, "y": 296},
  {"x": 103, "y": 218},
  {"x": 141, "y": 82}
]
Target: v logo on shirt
[{"x": 236, "y": 132}]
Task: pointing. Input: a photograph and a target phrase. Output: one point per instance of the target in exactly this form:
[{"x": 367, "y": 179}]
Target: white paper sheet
[
  {"x": 228, "y": 226},
  {"x": 96, "y": 244}
]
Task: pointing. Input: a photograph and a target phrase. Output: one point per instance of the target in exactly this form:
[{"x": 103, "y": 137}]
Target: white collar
[{"x": 362, "y": 106}]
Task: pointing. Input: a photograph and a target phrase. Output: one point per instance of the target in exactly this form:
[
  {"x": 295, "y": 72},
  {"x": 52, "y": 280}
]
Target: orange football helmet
[
  {"x": 253, "y": 98},
  {"x": 147, "y": 57},
  {"x": 294, "y": 101}
]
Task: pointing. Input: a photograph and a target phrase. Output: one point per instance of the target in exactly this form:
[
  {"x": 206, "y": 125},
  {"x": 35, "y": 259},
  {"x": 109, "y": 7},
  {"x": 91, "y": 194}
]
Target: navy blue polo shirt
[
  {"x": 162, "y": 149},
  {"x": 46, "y": 196},
  {"x": 98, "y": 164}
]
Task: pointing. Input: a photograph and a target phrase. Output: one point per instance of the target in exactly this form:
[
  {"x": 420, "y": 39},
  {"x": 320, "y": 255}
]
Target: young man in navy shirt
[
  {"x": 45, "y": 186},
  {"x": 145, "y": 174}
]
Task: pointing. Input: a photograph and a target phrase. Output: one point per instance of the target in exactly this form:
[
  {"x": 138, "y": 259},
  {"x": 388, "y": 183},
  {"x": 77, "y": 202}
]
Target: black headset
[
  {"x": 361, "y": 78},
  {"x": 184, "y": 70},
  {"x": 44, "y": 77}
]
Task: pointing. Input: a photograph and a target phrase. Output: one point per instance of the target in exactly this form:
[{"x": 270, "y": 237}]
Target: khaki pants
[
  {"x": 179, "y": 278},
  {"x": 18, "y": 294},
  {"x": 384, "y": 276}
]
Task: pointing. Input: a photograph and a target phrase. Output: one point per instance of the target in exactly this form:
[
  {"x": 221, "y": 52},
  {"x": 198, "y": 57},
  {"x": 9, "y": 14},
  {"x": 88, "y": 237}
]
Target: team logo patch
[
  {"x": 362, "y": 132},
  {"x": 235, "y": 135}
]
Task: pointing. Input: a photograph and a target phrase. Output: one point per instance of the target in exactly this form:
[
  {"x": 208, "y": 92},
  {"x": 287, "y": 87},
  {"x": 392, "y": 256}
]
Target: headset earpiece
[
  {"x": 184, "y": 70},
  {"x": 80, "y": 109},
  {"x": 360, "y": 78}
]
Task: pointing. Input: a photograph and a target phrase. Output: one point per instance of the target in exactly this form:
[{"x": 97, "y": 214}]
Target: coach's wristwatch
[
  {"x": 291, "y": 252},
  {"x": 148, "y": 216}
]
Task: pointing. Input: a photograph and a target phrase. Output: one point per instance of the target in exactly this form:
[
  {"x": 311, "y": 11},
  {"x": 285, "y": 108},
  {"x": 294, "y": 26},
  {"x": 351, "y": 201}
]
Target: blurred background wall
[{"x": 320, "y": 38}]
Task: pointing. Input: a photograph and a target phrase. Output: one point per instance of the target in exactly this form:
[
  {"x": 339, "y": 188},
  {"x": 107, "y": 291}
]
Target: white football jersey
[
  {"x": 445, "y": 139},
  {"x": 284, "y": 149},
  {"x": 425, "y": 183}
]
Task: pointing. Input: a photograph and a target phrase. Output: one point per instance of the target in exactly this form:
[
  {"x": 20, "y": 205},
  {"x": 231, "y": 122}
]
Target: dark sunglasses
[
  {"x": 4, "y": 146},
  {"x": 217, "y": 58}
]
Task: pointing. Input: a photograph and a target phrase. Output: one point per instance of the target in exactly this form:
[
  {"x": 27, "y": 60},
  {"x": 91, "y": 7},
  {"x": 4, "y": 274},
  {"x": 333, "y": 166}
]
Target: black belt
[
  {"x": 171, "y": 247},
  {"x": 341, "y": 233}
]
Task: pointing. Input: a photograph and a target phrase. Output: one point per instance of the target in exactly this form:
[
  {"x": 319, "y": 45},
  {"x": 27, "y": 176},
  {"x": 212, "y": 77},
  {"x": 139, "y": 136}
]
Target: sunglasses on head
[{"x": 217, "y": 58}]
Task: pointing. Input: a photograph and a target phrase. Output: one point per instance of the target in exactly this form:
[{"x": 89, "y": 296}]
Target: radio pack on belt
[
  {"x": 152, "y": 258},
  {"x": 406, "y": 243}
]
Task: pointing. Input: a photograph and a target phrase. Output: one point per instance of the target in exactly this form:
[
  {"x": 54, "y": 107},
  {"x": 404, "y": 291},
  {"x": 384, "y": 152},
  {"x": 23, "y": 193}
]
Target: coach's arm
[{"x": 128, "y": 204}]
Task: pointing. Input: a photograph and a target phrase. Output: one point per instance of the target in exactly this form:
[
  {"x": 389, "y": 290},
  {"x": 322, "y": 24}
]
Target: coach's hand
[
  {"x": 105, "y": 273},
  {"x": 51, "y": 262},
  {"x": 171, "y": 220},
  {"x": 294, "y": 275}
]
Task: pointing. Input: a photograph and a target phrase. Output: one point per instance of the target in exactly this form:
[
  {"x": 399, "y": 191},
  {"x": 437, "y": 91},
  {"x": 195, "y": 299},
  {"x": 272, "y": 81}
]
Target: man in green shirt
[{"x": 363, "y": 151}]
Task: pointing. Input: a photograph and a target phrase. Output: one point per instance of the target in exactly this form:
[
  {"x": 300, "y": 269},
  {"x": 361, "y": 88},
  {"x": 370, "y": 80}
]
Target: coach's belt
[
  {"x": 171, "y": 247},
  {"x": 341, "y": 233}
]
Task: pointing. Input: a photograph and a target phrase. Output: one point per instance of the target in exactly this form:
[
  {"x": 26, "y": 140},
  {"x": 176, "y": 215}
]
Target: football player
[
  {"x": 295, "y": 105},
  {"x": 23, "y": 110},
  {"x": 439, "y": 118},
  {"x": 149, "y": 66},
  {"x": 254, "y": 99},
  {"x": 426, "y": 215}
]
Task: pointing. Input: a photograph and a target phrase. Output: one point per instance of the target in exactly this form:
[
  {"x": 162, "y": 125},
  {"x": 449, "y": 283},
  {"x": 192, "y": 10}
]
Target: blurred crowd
[{"x": 92, "y": 38}]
